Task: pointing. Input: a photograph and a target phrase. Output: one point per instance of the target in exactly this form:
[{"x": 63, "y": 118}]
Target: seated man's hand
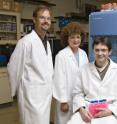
[
  {"x": 85, "y": 115},
  {"x": 103, "y": 113}
]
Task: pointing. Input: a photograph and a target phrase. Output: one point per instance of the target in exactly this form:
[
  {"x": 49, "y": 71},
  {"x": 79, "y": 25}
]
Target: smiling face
[
  {"x": 74, "y": 41},
  {"x": 102, "y": 53},
  {"x": 42, "y": 21}
]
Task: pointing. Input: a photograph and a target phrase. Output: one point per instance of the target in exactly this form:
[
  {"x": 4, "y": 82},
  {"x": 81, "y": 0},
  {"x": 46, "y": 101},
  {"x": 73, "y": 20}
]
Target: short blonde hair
[{"x": 40, "y": 8}]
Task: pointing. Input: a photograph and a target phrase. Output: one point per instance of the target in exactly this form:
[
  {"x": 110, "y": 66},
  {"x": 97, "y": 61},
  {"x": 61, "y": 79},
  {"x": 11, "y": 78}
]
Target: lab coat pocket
[{"x": 37, "y": 93}]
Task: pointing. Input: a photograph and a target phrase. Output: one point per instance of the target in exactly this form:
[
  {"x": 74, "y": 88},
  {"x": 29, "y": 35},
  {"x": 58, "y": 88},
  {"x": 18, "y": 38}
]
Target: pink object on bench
[{"x": 97, "y": 106}]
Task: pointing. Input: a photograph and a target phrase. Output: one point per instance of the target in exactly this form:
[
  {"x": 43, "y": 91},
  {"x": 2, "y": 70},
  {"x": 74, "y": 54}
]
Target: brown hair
[
  {"x": 70, "y": 29},
  {"x": 102, "y": 40},
  {"x": 40, "y": 8}
]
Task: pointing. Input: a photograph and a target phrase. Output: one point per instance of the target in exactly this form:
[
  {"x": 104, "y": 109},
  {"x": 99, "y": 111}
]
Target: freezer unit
[{"x": 103, "y": 24}]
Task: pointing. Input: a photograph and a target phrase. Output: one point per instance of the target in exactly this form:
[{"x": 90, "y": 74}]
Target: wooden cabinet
[
  {"x": 5, "y": 92},
  {"x": 9, "y": 27}
]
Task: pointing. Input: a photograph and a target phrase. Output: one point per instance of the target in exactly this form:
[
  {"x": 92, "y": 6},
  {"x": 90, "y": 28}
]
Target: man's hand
[
  {"x": 64, "y": 107},
  {"x": 86, "y": 116},
  {"x": 103, "y": 113}
]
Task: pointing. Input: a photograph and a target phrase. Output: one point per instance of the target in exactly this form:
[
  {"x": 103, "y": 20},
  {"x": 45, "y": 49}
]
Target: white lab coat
[
  {"x": 66, "y": 70},
  {"x": 30, "y": 72},
  {"x": 89, "y": 86}
]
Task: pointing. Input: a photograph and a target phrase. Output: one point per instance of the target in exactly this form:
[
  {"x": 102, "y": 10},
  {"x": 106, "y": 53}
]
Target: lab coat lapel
[
  {"x": 40, "y": 48},
  {"x": 109, "y": 72},
  {"x": 39, "y": 42},
  {"x": 71, "y": 55},
  {"x": 81, "y": 58},
  {"x": 49, "y": 54},
  {"x": 94, "y": 71}
]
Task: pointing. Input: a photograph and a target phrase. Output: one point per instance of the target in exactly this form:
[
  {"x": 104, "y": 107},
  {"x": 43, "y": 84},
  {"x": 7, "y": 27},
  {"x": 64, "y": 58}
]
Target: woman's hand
[{"x": 64, "y": 107}]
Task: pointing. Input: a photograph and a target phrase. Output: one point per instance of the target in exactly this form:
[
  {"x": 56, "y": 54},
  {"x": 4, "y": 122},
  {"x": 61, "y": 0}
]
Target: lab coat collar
[
  {"x": 94, "y": 70},
  {"x": 37, "y": 38},
  {"x": 71, "y": 54},
  {"x": 112, "y": 65},
  {"x": 35, "y": 35}
]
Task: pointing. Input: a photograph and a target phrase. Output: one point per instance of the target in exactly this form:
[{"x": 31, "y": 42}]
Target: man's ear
[
  {"x": 34, "y": 21},
  {"x": 110, "y": 52}
]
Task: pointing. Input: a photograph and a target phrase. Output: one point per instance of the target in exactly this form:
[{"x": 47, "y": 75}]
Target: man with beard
[{"x": 30, "y": 71}]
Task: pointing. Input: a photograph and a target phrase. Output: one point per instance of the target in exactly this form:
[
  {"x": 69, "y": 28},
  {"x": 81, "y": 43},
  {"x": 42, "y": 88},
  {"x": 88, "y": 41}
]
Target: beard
[{"x": 45, "y": 26}]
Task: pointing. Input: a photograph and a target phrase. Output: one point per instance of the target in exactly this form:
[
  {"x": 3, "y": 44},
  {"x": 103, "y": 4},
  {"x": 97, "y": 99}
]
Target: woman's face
[{"x": 74, "y": 41}]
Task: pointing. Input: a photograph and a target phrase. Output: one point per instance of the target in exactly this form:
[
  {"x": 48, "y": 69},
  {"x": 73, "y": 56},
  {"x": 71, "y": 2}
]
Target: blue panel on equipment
[{"x": 103, "y": 24}]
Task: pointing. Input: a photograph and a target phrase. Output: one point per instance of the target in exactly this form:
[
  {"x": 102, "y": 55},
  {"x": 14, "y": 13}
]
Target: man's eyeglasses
[
  {"x": 100, "y": 50},
  {"x": 44, "y": 18}
]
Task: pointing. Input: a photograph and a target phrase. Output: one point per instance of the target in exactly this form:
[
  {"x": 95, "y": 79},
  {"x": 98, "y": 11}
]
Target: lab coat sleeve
[
  {"x": 15, "y": 67},
  {"x": 59, "y": 82},
  {"x": 78, "y": 94},
  {"x": 113, "y": 104},
  {"x": 50, "y": 59},
  {"x": 113, "y": 107}
]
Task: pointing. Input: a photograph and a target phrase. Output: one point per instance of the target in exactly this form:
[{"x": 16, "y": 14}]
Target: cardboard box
[
  {"x": 17, "y": 7},
  {"x": 6, "y": 4}
]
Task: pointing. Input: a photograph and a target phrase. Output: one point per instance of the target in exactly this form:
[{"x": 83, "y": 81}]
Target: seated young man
[{"x": 96, "y": 81}]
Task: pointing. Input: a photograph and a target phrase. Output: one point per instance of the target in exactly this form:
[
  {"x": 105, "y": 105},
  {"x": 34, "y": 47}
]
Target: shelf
[
  {"x": 58, "y": 32},
  {"x": 9, "y": 26},
  {"x": 72, "y": 17},
  {"x": 53, "y": 21},
  {"x": 35, "y": 2},
  {"x": 27, "y": 26},
  {"x": 3, "y": 42},
  {"x": 60, "y": 17},
  {"x": 7, "y": 22},
  {"x": 14, "y": 32}
]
